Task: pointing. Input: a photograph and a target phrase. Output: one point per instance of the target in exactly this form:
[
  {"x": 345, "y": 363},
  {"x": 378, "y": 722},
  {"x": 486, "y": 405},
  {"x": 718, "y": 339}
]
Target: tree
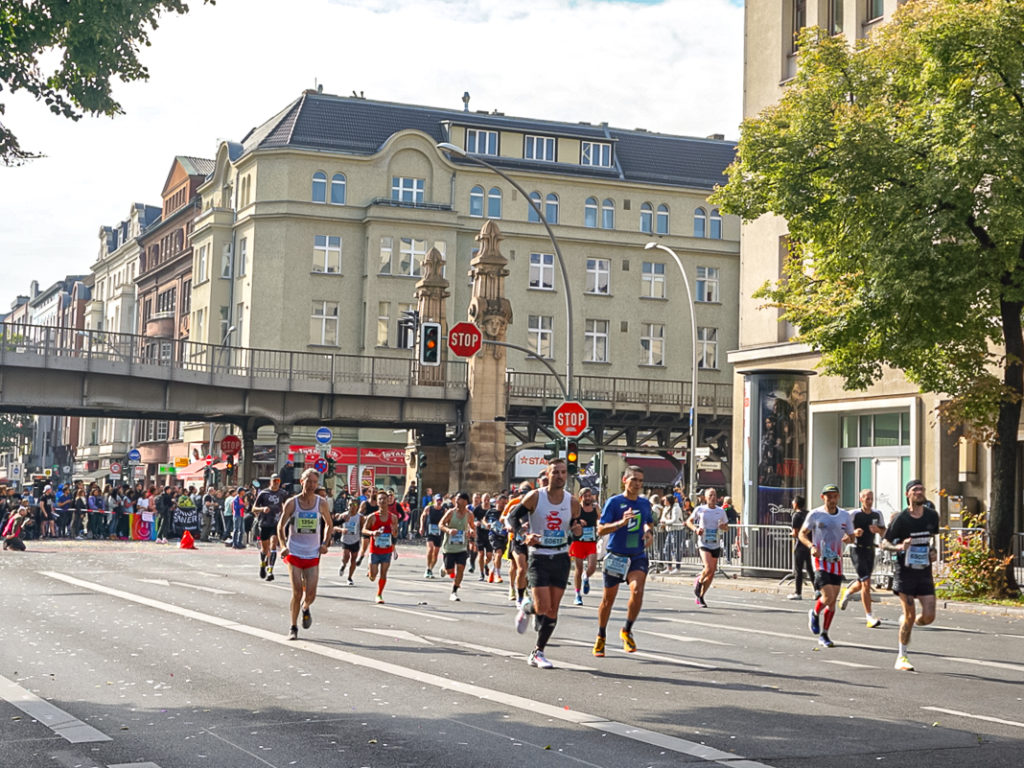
[
  {"x": 93, "y": 42},
  {"x": 14, "y": 429},
  {"x": 899, "y": 167}
]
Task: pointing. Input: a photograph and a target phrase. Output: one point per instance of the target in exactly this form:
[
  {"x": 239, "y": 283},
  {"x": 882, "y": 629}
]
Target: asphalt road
[{"x": 137, "y": 654}]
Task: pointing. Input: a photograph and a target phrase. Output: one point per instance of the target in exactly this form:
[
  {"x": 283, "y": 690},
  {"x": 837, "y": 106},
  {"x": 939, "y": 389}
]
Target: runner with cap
[
  {"x": 824, "y": 532},
  {"x": 267, "y": 509},
  {"x": 307, "y": 528}
]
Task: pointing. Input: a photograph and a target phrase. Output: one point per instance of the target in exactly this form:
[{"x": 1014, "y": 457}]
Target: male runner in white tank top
[{"x": 306, "y": 527}]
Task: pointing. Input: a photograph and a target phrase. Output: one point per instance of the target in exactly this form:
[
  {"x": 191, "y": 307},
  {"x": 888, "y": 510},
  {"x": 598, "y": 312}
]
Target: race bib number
[
  {"x": 304, "y": 524},
  {"x": 553, "y": 539},
  {"x": 382, "y": 540},
  {"x": 352, "y": 526},
  {"x": 918, "y": 556},
  {"x": 589, "y": 533},
  {"x": 830, "y": 555},
  {"x": 457, "y": 537},
  {"x": 711, "y": 538},
  {"x": 433, "y": 529},
  {"x": 616, "y": 565}
]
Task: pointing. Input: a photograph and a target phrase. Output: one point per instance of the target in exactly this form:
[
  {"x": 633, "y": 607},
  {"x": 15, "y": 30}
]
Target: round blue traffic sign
[
  {"x": 320, "y": 465},
  {"x": 324, "y": 435},
  {"x": 134, "y": 455}
]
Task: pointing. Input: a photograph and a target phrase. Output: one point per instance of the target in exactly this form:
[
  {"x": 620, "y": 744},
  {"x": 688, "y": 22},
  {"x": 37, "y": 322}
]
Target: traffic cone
[{"x": 187, "y": 542}]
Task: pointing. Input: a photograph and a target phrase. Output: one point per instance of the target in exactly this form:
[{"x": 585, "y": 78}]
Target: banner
[
  {"x": 141, "y": 529},
  {"x": 185, "y": 519}
]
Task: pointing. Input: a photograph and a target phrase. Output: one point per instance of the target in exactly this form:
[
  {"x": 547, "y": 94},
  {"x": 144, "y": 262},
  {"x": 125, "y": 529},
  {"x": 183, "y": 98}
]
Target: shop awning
[
  {"x": 711, "y": 477},
  {"x": 658, "y": 471},
  {"x": 195, "y": 469}
]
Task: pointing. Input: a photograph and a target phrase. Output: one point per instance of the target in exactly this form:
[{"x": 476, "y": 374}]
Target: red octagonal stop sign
[
  {"x": 571, "y": 419},
  {"x": 464, "y": 339}
]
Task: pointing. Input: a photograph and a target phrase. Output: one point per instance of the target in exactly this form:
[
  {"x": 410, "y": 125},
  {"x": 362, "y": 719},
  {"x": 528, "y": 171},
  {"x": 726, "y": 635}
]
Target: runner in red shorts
[
  {"x": 306, "y": 527},
  {"x": 583, "y": 550}
]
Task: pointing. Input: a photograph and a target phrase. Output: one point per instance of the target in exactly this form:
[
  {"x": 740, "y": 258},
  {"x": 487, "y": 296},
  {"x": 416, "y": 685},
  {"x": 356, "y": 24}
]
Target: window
[
  {"x": 407, "y": 190},
  {"x": 653, "y": 276},
  {"x": 243, "y": 257},
  {"x": 386, "y": 248},
  {"x": 476, "y": 201},
  {"x": 652, "y": 344},
  {"x": 165, "y": 301},
  {"x": 590, "y": 213},
  {"x": 598, "y": 275},
  {"x": 327, "y": 254},
  {"x": 539, "y": 330},
  {"x": 661, "y": 223},
  {"x": 707, "y": 347},
  {"x": 834, "y": 22},
  {"x": 608, "y": 215},
  {"x": 162, "y": 430},
  {"x": 716, "y": 224},
  {"x": 338, "y": 189},
  {"x": 596, "y": 153},
  {"x": 707, "y": 284},
  {"x": 646, "y": 218},
  {"x": 239, "y": 317},
  {"x": 876, "y": 8},
  {"x": 533, "y": 207},
  {"x": 383, "y": 318},
  {"x": 551, "y": 208},
  {"x": 186, "y": 298},
  {"x": 542, "y": 271},
  {"x": 700, "y": 221},
  {"x": 200, "y": 329},
  {"x": 319, "y": 187},
  {"x": 539, "y": 148},
  {"x": 202, "y": 264},
  {"x": 410, "y": 256},
  {"x": 595, "y": 341},
  {"x": 407, "y": 340},
  {"x": 225, "y": 324},
  {"x": 225, "y": 262},
  {"x": 481, "y": 142},
  {"x": 494, "y": 203},
  {"x": 323, "y": 327},
  {"x": 800, "y": 20}
]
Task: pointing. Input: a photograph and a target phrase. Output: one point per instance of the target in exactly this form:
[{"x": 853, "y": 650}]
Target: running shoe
[
  {"x": 263, "y": 569},
  {"x": 537, "y": 659},
  {"x": 812, "y": 622},
  {"x": 482, "y": 578},
  {"x": 270, "y": 577},
  {"x": 628, "y": 643},
  {"x": 428, "y": 574},
  {"x": 701, "y": 602},
  {"x": 578, "y": 600},
  {"x": 341, "y": 571},
  {"x": 873, "y": 621},
  {"x": 454, "y": 597},
  {"x": 696, "y": 587},
  {"x": 490, "y": 577},
  {"x": 844, "y": 598},
  {"x": 903, "y": 664},
  {"x": 825, "y": 641},
  {"x": 307, "y": 618},
  {"x": 794, "y": 596},
  {"x": 379, "y": 600},
  {"x": 586, "y": 585},
  {"x": 498, "y": 579},
  {"x": 522, "y": 619},
  {"x": 599, "y": 647},
  {"x": 351, "y": 583},
  {"x": 293, "y": 633}
]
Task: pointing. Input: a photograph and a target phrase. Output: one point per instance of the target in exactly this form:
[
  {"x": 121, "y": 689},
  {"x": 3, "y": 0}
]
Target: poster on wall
[{"x": 781, "y": 410}]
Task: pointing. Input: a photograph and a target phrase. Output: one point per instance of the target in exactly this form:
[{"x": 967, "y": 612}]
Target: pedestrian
[
  {"x": 674, "y": 524},
  {"x": 165, "y": 504},
  {"x": 238, "y": 510},
  {"x": 801, "y": 552},
  {"x": 825, "y": 530},
  {"x": 12, "y": 531},
  {"x": 306, "y": 528}
]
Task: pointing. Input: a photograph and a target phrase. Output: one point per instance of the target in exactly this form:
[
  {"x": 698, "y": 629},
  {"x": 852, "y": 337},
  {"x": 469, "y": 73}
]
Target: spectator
[{"x": 13, "y": 529}]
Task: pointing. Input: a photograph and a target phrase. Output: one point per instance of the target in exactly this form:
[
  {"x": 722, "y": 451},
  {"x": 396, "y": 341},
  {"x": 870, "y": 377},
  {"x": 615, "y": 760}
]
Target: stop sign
[
  {"x": 231, "y": 444},
  {"x": 464, "y": 339},
  {"x": 571, "y": 419}
]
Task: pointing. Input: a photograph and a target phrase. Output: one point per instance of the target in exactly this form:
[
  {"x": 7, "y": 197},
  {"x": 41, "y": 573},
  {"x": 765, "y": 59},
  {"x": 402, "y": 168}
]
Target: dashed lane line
[
  {"x": 56, "y": 719},
  {"x": 986, "y": 718}
]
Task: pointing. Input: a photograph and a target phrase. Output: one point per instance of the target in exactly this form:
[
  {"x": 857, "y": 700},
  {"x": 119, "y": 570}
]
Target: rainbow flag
[{"x": 141, "y": 530}]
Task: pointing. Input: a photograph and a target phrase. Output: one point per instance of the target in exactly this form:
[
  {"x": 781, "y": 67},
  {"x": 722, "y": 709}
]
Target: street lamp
[
  {"x": 693, "y": 386},
  {"x": 456, "y": 150}
]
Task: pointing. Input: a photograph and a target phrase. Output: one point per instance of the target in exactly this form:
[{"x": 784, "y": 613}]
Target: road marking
[
  {"x": 984, "y": 663},
  {"x": 986, "y": 718},
  {"x": 166, "y": 583},
  {"x": 726, "y": 601},
  {"x": 644, "y": 655},
  {"x": 682, "y": 638},
  {"x": 847, "y": 664},
  {"x": 507, "y": 654},
  {"x": 395, "y": 634},
  {"x": 386, "y": 607},
  {"x": 57, "y": 720},
  {"x": 133, "y": 765},
  {"x": 504, "y": 698}
]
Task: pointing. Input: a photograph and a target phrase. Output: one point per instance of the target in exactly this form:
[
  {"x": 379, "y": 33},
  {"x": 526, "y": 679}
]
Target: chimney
[
  {"x": 465, "y": 101},
  {"x": 717, "y": 137},
  {"x": 33, "y": 288}
]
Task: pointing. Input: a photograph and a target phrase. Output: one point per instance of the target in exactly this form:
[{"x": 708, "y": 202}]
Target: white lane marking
[
  {"x": 166, "y": 583},
  {"x": 847, "y": 664},
  {"x": 645, "y": 655},
  {"x": 133, "y": 765},
  {"x": 57, "y": 720},
  {"x": 485, "y": 694},
  {"x": 986, "y": 718},
  {"x": 984, "y": 663},
  {"x": 507, "y": 654},
  {"x": 382, "y": 607},
  {"x": 727, "y": 601},
  {"x": 683, "y": 638},
  {"x": 395, "y": 634}
]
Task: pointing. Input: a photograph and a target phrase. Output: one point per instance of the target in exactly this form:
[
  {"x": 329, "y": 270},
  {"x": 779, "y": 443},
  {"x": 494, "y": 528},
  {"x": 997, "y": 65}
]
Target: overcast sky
[{"x": 673, "y": 66}]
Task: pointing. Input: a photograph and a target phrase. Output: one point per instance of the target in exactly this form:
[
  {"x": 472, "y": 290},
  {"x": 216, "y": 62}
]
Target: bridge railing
[{"x": 622, "y": 391}]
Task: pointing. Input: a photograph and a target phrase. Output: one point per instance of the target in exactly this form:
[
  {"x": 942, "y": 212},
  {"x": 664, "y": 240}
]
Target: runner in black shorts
[
  {"x": 267, "y": 509},
  {"x": 430, "y": 528},
  {"x": 481, "y": 546},
  {"x": 497, "y": 536},
  {"x": 517, "y": 551},
  {"x": 351, "y": 539},
  {"x": 866, "y": 523}
]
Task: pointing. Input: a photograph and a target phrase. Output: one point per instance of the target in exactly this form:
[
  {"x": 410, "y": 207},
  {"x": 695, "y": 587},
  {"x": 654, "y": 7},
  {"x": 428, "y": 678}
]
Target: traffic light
[
  {"x": 407, "y": 325},
  {"x": 230, "y": 463},
  {"x": 430, "y": 344},
  {"x": 421, "y": 460},
  {"x": 572, "y": 457},
  {"x": 554, "y": 449}
]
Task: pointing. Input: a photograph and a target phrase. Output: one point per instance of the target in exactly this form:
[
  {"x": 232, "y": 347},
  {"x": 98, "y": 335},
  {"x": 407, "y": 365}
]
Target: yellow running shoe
[
  {"x": 628, "y": 643},
  {"x": 599, "y": 647}
]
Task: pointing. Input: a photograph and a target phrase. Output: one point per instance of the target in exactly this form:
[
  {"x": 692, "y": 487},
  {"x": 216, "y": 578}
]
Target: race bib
[
  {"x": 589, "y": 533},
  {"x": 830, "y": 555},
  {"x": 433, "y": 529},
  {"x": 352, "y": 526},
  {"x": 918, "y": 556},
  {"x": 553, "y": 539},
  {"x": 305, "y": 524},
  {"x": 457, "y": 537},
  {"x": 711, "y": 538},
  {"x": 616, "y": 565},
  {"x": 382, "y": 540}
]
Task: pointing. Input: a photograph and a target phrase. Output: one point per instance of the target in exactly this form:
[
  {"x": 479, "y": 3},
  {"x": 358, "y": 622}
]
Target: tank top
[
  {"x": 457, "y": 542},
  {"x": 304, "y": 531},
  {"x": 382, "y": 541},
  {"x": 551, "y": 521}
]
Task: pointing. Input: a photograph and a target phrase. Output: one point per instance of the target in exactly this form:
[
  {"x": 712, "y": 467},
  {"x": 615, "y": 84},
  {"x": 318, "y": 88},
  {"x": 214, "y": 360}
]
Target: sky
[{"x": 672, "y": 66}]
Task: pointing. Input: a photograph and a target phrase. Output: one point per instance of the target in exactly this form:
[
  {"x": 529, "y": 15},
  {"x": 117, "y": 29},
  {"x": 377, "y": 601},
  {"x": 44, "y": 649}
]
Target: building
[
  {"x": 793, "y": 430},
  {"x": 314, "y": 228}
]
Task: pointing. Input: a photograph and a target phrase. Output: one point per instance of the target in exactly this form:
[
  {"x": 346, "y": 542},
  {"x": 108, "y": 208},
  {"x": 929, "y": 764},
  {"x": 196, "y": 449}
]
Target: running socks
[
  {"x": 273, "y": 559},
  {"x": 547, "y": 628},
  {"x": 380, "y": 586},
  {"x": 827, "y": 617},
  {"x": 629, "y": 625},
  {"x": 521, "y": 593},
  {"x": 903, "y": 649},
  {"x": 602, "y": 631},
  {"x": 819, "y": 606}
]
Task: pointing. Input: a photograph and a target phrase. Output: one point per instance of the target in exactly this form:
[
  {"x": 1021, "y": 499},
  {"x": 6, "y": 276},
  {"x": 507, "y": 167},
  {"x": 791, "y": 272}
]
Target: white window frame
[
  {"x": 541, "y": 148},
  {"x": 542, "y": 272},
  {"x": 597, "y": 154},
  {"x": 707, "y": 348},
  {"x": 700, "y": 222},
  {"x": 476, "y": 194},
  {"x": 200, "y": 326},
  {"x": 707, "y": 287},
  {"x": 383, "y": 321},
  {"x": 481, "y": 142},
  {"x": 411, "y": 253},
  {"x": 319, "y": 179},
  {"x": 595, "y": 341},
  {"x": 225, "y": 263},
  {"x": 653, "y": 280},
  {"x": 715, "y": 225},
  {"x": 387, "y": 252},
  {"x": 591, "y": 213},
  {"x": 243, "y": 257},
  {"x": 661, "y": 220},
  {"x": 406, "y": 189},
  {"x": 551, "y": 208},
  {"x": 327, "y": 254},
  {"x": 410, "y": 338},
  {"x": 202, "y": 264},
  {"x": 494, "y": 203},
  {"x": 540, "y": 329},
  {"x": 596, "y": 270},
  {"x": 652, "y": 344},
  {"x": 324, "y": 323},
  {"x": 607, "y": 214},
  {"x": 647, "y": 218},
  {"x": 338, "y": 180}
]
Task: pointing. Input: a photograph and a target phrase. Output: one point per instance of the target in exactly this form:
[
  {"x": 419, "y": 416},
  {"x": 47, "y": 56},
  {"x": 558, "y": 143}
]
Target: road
[{"x": 114, "y": 654}]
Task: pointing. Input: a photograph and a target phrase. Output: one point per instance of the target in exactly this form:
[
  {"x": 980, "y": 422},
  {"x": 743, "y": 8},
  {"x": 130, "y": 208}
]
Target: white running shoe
[
  {"x": 903, "y": 664},
  {"x": 844, "y": 598},
  {"x": 794, "y": 596},
  {"x": 536, "y": 659},
  {"x": 522, "y": 619},
  {"x": 454, "y": 597}
]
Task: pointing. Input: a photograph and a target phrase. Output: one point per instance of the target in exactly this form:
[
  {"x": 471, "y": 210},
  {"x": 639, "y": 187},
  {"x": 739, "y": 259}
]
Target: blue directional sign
[
  {"x": 320, "y": 465},
  {"x": 324, "y": 435},
  {"x": 134, "y": 455}
]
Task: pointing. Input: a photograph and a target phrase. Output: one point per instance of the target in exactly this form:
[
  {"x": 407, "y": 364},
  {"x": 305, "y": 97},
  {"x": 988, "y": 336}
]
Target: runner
[
  {"x": 458, "y": 527},
  {"x": 305, "y": 526},
  {"x": 351, "y": 538},
  {"x": 516, "y": 552},
  {"x": 481, "y": 545},
  {"x": 367, "y": 507},
  {"x": 583, "y": 551},
  {"x": 910, "y": 537},
  {"x": 628, "y": 518},
  {"x": 382, "y": 528},
  {"x": 497, "y": 536},
  {"x": 547, "y": 516},
  {"x": 709, "y": 522},
  {"x": 866, "y": 523},
  {"x": 267, "y": 509},
  {"x": 430, "y": 529},
  {"x": 825, "y": 530}
]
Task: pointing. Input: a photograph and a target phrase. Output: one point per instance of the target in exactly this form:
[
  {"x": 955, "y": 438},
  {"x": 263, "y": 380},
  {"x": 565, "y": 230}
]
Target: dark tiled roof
[
  {"x": 360, "y": 126},
  {"x": 197, "y": 166}
]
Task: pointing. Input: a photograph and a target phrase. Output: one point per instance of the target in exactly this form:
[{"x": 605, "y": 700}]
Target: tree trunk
[{"x": 1004, "y": 452}]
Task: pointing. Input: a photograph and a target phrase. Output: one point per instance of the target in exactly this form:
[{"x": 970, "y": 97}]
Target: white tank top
[
  {"x": 304, "y": 530},
  {"x": 551, "y": 522}
]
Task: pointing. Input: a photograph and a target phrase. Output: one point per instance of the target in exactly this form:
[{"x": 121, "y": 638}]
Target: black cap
[{"x": 911, "y": 484}]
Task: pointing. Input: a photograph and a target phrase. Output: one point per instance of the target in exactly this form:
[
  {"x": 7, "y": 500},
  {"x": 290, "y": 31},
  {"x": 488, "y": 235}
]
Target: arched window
[
  {"x": 338, "y": 189},
  {"x": 531, "y": 214},
  {"x": 551, "y": 209},
  {"x": 716, "y": 224},
  {"x": 319, "y": 187},
  {"x": 476, "y": 201},
  {"x": 646, "y": 218},
  {"x": 608, "y": 214},
  {"x": 700, "y": 220},
  {"x": 494, "y": 203},
  {"x": 590, "y": 212},
  {"x": 661, "y": 223}
]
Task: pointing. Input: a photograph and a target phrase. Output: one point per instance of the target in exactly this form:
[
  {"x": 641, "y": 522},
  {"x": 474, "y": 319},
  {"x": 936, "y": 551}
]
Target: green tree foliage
[
  {"x": 14, "y": 427},
  {"x": 85, "y": 42},
  {"x": 899, "y": 166}
]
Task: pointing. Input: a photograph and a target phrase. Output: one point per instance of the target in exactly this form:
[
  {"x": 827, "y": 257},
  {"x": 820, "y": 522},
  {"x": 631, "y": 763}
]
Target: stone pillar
[
  {"x": 484, "y": 464},
  {"x": 248, "y": 447},
  {"x": 431, "y": 291}
]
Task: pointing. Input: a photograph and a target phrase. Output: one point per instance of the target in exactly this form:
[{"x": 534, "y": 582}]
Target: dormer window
[
  {"x": 481, "y": 142},
  {"x": 539, "y": 148},
  {"x": 596, "y": 153}
]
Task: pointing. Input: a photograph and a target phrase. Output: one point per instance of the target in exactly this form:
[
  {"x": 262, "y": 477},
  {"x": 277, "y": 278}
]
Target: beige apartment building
[
  {"x": 314, "y": 228},
  {"x": 795, "y": 430}
]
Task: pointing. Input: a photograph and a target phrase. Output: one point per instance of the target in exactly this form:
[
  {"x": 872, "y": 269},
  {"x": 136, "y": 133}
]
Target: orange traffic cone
[{"x": 187, "y": 542}]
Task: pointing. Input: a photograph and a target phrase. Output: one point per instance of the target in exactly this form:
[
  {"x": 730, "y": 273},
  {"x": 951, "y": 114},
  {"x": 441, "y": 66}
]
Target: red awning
[
  {"x": 711, "y": 477},
  {"x": 195, "y": 469}
]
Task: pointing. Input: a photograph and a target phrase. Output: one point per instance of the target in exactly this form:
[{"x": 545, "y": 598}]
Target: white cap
[{"x": 48, "y": 488}]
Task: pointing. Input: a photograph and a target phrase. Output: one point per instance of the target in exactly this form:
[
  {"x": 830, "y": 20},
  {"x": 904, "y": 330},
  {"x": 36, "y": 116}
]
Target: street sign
[
  {"x": 115, "y": 476},
  {"x": 66, "y": 469},
  {"x": 320, "y": 465},
  {"x": 165, "y": 469},
  {"x": 180, "y": 462},
  {"x": 231, "y": 444},
  {"x": 134, "y": 455},
  {"x": 464, "y": 339},
  {"x": 571, "y": 419},
  {"x": 324, "y": 436},
  {"x": 115, "y": 468},
  {"x": 708, "y": 466},
  {"x": 703, "y": 452},
  {"x": 208, "y": 460}
]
